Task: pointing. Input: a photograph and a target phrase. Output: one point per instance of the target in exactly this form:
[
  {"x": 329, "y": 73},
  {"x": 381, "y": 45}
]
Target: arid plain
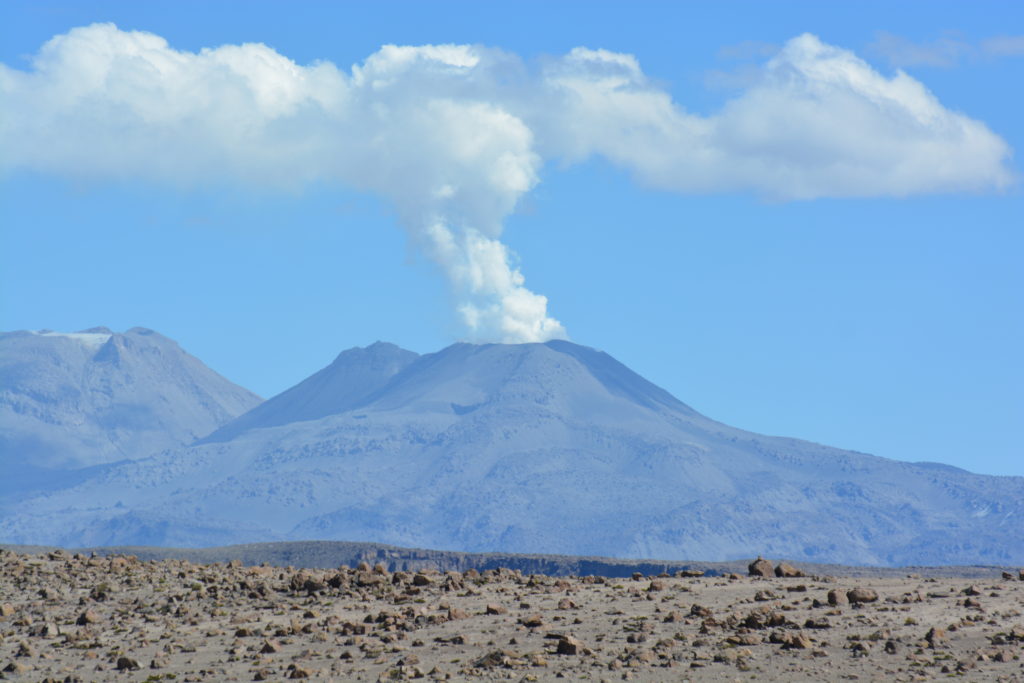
[{"x": 77, "y": 617}]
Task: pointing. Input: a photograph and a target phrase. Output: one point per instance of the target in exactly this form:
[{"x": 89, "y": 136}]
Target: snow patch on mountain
[{"x": 92, "y": 340}]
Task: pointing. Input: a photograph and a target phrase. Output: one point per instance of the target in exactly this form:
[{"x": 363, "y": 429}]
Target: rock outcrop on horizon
[
  {"x": 534, "y": 448},
  {"x": 78, "y": 400}
]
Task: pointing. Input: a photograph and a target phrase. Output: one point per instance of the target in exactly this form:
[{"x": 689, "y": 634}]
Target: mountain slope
[
  {"x": 552, "y": 448},
  {"x": 75, "y": 400},
  {"x": 353, "y": 376}
]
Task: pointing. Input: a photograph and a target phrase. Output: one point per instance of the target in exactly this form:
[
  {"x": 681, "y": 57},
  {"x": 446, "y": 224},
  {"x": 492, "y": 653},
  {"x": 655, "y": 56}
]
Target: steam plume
[{"x": 454, "y": 135}]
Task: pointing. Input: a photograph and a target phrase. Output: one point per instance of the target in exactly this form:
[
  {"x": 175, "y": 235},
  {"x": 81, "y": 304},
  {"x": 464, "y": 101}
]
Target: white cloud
[
  {"x": 818, "y": 122},
  {"x": 454, "y": 135},
  {"x": 1003, "y": 46},
  {"x": 947, "y": 51},
  {"x": 901, "y": 51}
]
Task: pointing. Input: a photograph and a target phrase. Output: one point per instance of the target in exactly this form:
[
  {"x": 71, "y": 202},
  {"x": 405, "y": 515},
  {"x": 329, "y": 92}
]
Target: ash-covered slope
[
  {"x": 533, "y": 448},
  {"x": 75, "y": 400},
  {"x": 353, "y": 376}
]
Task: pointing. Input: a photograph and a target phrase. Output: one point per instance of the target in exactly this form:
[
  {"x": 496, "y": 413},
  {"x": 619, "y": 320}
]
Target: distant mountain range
[
  {"x": 529, "y": 448},
  {"x": 74, "y": 400}
]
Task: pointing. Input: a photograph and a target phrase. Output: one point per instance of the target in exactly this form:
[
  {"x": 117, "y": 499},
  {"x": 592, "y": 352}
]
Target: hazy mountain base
[{"x": 332, "y": 554}]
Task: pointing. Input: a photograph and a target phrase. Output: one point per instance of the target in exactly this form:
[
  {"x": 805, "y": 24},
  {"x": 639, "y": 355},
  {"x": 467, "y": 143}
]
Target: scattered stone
[
  {"x": 568, "y": 645},
  {"x": 232, "y": 622},
  {"x": 700, "y": 611},
  {"x": 786, "y": 570},
  {"x": 819, "y": 623},
  {"x": 796, "y": 641},
  {"x": 861, "y": 595},
  {"x": 127, "y": 664},
  {"x": 493, "y": 659},
  {"x": 87, "y": 617},
  {"x": 837, "y": 597},
  {"x": 761, "y": 567},
  {"x": 936, "y": 637}
]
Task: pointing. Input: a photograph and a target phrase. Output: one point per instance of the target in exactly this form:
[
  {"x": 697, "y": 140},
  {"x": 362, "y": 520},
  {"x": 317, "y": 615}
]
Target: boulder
[
  {"x": 127, "y": 664},
  {"x": 87, "y": 617},
  {"x": 761, "y": 567},
  {"x": 837, "y": 597},
  {"x": 861, "y": 595},
  {"x": 796, "y": 641},
  {"x": 786, "y": 570},
  {"x": 936, "y": 637},
  {"x": 568, "y": 645}
]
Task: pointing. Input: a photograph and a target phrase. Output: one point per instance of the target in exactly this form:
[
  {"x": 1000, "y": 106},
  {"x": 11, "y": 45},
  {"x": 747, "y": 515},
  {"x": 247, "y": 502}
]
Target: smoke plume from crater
[{"x": 455, "y": 135}]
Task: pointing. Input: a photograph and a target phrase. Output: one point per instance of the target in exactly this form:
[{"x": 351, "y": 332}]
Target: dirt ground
[{"x": 67, "y": 617}]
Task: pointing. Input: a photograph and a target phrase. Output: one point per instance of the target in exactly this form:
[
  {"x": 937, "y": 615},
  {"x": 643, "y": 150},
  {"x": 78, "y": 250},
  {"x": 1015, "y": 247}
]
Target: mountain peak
[
  {"x": 76, "y": 399},
  {"x": 556, "y": 377},
  {"x": 552, "y": 373},
  {"x": 353, "y": 375}
]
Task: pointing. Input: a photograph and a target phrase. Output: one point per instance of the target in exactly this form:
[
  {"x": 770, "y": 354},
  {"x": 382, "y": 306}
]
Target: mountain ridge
[
  {"x": 81, "y": 399},
  {"x": 537, "y": 448}
]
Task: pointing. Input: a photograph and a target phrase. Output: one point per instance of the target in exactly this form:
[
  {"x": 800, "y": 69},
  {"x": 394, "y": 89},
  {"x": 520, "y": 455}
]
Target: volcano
[
  {"x": 535, "y": 448},
  {"x": 70, "y": 401}
]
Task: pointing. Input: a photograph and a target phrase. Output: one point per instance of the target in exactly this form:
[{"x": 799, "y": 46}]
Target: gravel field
[{"x": 77, "y": 617}]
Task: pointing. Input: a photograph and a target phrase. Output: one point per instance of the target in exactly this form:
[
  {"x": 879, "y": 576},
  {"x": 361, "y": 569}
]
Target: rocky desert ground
[{"x": 80, "y": 617}]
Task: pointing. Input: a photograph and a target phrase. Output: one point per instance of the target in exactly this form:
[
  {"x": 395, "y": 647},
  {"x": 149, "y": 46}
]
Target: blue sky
[{"x": 827, "y": 307}]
